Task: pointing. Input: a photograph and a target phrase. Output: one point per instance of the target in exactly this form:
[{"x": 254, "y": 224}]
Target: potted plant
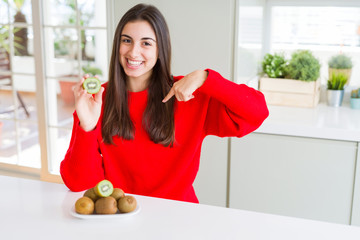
[
  {"x": 335, "y": 89},
  {"x": 340, "y": 63},
  {"x": 20, "y": 34},
  {"x": 274, "y": 65},
  {"x": 355, "y": 99},
  {"x": 303, "y": 66},
  {"x": 298, "y": 84}
]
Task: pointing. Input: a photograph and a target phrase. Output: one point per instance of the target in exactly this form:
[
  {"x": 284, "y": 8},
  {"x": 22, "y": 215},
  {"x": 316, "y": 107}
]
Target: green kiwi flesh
[
  {"x": 84, "y": 205},
  {"x": 104, "y": 188},
  {"x": 127, "y": 204},
  {"x": 106, "y": 205},
  {"x": 92, "y": 85}
]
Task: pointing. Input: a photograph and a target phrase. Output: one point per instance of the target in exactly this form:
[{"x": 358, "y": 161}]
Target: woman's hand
[
  {"x": 184, "y": 88},
  {"x": 87, "y": 106}
]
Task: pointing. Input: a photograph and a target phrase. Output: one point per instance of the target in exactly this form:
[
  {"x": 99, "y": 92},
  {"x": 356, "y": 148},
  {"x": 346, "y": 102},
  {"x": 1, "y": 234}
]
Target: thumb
[{"x": 169, "y": 95}]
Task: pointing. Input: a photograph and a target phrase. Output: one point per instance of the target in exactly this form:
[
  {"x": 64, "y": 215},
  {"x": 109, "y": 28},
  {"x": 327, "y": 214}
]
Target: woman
[{"x": 143, "y": 131}]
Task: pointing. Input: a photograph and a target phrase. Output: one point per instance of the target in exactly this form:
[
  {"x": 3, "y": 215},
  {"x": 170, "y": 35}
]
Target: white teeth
[{"x": 134, "y": 63}]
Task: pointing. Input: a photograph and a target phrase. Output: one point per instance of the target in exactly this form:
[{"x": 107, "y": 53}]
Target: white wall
[
  {"x": 201, "y": 32},
  {"x": 202, "y": 37}
]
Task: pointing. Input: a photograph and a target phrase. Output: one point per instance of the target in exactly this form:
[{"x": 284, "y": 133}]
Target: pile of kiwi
[{"x": 105, "y": 199}]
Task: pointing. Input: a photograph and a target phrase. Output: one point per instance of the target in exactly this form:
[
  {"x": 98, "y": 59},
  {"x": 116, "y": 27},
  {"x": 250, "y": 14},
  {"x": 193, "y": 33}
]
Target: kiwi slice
[
  {"x": 92, "y": 85},
  {"x": 117, "y": 193},
  {"x": 106, "y": 205},
  {"x": 127, "y": 204},
  {"x": 104, "y": 188},
  {"x": 84, "y": 205}
]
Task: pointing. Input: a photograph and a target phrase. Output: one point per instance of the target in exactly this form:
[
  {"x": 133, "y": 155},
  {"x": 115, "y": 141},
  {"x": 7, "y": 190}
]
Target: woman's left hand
[{"x": 184, "y": 88}]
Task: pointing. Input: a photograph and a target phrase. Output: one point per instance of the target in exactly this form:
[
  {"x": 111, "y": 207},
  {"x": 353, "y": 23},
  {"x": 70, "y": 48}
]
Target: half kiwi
[
  {"x": 92, "y": 85},
  {"x": 104, "y": 188}
]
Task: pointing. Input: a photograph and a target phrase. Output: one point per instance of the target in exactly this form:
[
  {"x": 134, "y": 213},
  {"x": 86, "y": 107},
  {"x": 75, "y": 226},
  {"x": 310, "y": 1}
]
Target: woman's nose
[{"x": 135, "y": 50}]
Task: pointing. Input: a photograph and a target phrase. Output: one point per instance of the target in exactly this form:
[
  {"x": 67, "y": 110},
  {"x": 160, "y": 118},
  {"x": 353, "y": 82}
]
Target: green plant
[
  {"x": 337, "y": 81},
  {"x": 4, "y": 40},
  {"x": 274, "y": 65},
  {"x": 20, "y": 34},
  {"x": 88, "y": 69},
  {"x": 340, "y": 61},
  {"x": 355, "y": 93},
  {"x": 303, "y": 66}
]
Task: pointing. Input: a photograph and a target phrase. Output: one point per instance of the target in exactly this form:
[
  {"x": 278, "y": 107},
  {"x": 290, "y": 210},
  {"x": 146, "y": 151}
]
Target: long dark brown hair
[{"x": 158, "y": 118}]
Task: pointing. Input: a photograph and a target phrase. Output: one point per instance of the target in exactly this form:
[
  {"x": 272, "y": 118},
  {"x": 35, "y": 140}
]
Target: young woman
[{"x": 143, "y": 131}]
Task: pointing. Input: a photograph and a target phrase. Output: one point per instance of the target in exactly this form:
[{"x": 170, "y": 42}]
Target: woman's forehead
[{"x": 138, "y": 30}]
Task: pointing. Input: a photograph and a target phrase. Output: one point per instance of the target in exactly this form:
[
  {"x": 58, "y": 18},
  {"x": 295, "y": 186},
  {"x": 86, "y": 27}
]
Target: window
[
  {"x": 323, "y": 29},
  {"x": 74, "y": 34},
  {"x": 250, "y": 27},
  {"x": 18, "y": 109},
  {"x": 75, "y": 37}
]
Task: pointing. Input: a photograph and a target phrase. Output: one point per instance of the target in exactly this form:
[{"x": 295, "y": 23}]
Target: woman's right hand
[{"x": 87, "y": 106}]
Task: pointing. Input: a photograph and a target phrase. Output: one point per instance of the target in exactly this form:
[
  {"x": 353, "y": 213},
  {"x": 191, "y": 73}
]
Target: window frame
[{"x": 38, "y": 26}]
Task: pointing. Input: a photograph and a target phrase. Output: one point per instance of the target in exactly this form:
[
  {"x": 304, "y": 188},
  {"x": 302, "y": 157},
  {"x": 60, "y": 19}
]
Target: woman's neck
[{"x": 137, "y": 84}]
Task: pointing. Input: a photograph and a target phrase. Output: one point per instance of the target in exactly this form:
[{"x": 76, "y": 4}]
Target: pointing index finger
[{"x": 169, "y": 95}]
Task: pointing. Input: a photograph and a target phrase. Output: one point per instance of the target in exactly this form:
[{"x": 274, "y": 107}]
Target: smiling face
[{"x": 138, "y": 53}]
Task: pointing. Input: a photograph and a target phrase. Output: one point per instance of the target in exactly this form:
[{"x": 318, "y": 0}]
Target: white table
[{"x": 40, "y": 210}]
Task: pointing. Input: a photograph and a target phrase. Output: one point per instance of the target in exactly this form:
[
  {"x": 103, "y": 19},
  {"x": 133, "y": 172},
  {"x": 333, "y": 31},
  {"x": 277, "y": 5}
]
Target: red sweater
[{"x": 140, "y": 166}]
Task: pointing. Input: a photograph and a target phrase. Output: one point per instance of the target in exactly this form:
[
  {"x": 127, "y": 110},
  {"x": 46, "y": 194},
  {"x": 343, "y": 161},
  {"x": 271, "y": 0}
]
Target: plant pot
[
  {"x": 290, "y": 92},
  {"x": 66, "y": 83},
  {"x": 334, "y": 97},
  {"x": 355, "y": 103},
  {"x": 67, "y": 94}
]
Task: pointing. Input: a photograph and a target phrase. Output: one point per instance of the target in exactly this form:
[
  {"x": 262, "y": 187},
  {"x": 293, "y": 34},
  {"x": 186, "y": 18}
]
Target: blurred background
[{"x": 47, "y": 45}]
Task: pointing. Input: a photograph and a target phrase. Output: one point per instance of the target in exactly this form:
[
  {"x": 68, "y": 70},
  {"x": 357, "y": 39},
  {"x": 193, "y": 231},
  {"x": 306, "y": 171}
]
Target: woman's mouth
[{"x": 133, "y": 64}]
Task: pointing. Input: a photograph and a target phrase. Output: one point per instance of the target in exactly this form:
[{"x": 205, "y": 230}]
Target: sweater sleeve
[
  {"x": 234, "y": 109},
  {"x": 82, "y": 167}
]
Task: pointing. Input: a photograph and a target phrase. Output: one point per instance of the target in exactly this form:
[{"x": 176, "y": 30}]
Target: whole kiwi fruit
[
  {"x": 91, "y": 194},
  {"x": 84, "y": 205},
  {"x": 117, "y": 193},
  {"x": 106, "y": 205},
  {"x": 127, "y": 204}
]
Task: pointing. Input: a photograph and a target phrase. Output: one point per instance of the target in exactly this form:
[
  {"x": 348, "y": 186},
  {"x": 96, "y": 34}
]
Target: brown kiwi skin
[
  {"x": 90, "y": 193},
  {"x": 127, "y": 204},
  {"x": 84, "y": 205},
  {"x": 117, "y": 193},
  {"x": 106, "y": 205}
]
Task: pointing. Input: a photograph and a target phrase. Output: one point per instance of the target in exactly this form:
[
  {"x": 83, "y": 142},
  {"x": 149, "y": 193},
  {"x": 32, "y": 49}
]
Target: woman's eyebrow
[{"x": 144, "y": 38}]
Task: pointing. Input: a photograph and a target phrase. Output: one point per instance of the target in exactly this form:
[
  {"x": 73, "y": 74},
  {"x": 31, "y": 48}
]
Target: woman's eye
[
  {"x": 125, "y": 40},
  {"x": 146, "y": 43}
]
